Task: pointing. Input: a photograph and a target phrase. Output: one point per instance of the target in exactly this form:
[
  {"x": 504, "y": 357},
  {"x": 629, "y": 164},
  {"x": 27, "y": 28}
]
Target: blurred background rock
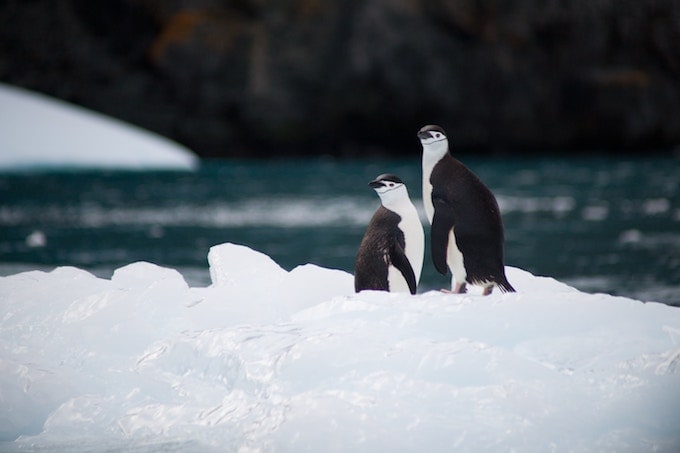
[{"x": 355, "y": 77}]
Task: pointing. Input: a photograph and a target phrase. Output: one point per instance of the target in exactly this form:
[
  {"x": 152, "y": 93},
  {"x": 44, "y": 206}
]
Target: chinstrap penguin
[
  {"x": 467, "y": 230},
  {"x": 390, "y": 257}
]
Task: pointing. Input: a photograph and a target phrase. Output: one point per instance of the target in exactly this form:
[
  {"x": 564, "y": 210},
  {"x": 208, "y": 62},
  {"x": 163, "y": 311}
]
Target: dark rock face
[{"x": 256, "y": 78}]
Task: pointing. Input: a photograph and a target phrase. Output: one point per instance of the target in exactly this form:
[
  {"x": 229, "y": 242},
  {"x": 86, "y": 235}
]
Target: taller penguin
[
  {"x": 390, "y": 257},
  {"x": 467, "y": 231}
]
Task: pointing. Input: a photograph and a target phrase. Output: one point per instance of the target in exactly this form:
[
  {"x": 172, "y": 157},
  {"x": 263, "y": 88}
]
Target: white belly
[
  {"x": 414, "y": 238},
  {"x": 396, "y": 280},
  {"x": 427, "y": 199},
  {"x": 454, "y": 258}
]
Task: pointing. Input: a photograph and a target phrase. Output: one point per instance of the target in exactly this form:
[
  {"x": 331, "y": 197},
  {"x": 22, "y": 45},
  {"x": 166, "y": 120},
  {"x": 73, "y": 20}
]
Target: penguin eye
[
  {"x": 437, "y": 135},
  {"x": 391, "y": 184}
]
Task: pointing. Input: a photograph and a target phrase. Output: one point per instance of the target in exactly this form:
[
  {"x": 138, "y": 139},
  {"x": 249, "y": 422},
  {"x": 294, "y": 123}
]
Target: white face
[
  {"x": 392, "y": 194},
  {"x": 388, "y": 187},
  {"x": 434, "y": 147},
  {"x": 435, "y": 136}
]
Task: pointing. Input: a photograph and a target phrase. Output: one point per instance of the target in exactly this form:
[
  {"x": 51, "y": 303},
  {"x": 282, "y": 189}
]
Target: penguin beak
[
  {"x": 375, "y": 184},
  {"x": 424, "y": 135}
]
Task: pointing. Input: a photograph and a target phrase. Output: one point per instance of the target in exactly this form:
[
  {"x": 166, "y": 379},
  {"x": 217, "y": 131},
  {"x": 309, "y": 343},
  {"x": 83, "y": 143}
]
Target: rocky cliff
[{"x": 257, "y": 78}]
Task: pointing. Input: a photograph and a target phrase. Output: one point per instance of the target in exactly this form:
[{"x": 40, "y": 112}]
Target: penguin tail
[{"x": 505, "y": 286}]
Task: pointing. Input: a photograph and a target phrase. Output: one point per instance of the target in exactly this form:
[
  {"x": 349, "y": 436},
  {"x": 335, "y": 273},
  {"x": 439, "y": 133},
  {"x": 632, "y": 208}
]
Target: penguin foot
[
  {"x": 459, "y": 288},
  {"x": 487, "y": 290}
]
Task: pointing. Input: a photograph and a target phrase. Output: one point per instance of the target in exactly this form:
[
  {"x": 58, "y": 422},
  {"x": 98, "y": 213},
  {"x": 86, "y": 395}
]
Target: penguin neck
[
  {"x": 432, "y": 154},
  {"x": 396, "y": 200}
]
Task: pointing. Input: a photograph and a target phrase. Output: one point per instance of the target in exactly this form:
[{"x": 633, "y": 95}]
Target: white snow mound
[{"x": 270, "y": 360}]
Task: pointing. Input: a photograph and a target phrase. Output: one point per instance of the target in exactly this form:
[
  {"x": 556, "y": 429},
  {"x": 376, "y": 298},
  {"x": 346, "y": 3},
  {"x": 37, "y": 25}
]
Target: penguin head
[
  {"x": 434, "y": 141},
  {"x": 390, "y": 188}
]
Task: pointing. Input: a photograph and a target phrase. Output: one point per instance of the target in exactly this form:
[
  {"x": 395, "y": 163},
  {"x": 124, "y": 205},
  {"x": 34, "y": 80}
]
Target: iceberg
[
  {"x": 265, "y": 359},
  {"x": 37, "y": 131}
]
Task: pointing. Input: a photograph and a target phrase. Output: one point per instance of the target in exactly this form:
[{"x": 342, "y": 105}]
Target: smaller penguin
[
  {"x": 467, "y": 230},
  {"x": 390, "y": 257}
]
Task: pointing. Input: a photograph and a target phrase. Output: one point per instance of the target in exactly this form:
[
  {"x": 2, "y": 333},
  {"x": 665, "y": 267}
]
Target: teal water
[{"x": 601, "y": 224}]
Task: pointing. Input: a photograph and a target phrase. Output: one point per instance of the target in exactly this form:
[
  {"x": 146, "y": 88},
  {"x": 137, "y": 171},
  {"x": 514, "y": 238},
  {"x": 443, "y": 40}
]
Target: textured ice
[{"x": 270, "y": 360}]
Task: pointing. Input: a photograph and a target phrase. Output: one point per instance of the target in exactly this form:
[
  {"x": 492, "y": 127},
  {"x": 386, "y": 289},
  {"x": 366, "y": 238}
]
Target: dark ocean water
[{"x": 600, "y": 224}]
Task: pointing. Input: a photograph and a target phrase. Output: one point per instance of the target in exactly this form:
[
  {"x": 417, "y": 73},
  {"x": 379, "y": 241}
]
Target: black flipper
[
  {"x": 442, "y": 222},
  {"x": 401, "y": 262}
]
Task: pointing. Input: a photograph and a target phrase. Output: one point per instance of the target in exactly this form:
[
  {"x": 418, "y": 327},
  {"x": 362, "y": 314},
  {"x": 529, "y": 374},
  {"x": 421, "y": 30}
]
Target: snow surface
[
  {"x": 37, "y": 131},
  {"x": 270, "y": 360}
]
